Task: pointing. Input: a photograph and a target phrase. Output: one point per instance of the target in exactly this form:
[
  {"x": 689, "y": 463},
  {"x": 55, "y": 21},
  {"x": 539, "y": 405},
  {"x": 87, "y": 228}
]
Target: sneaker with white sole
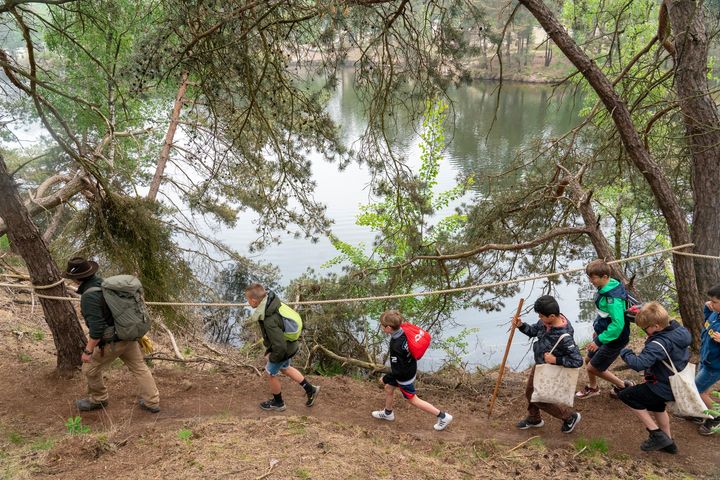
[
  {"x": 442, "y": 423},
  {"x": 569, "y": 425},
  {"x": 528, "y": 423},
  {"x": 587, "y": 392},
  {"x": 381, "y": 415}
]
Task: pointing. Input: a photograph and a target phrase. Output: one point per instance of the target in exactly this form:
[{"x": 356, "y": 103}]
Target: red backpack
[{"x": 417, "y": 338}]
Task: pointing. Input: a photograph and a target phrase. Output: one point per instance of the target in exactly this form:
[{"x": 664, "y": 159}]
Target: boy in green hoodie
[{"x": 612, "y": 332}]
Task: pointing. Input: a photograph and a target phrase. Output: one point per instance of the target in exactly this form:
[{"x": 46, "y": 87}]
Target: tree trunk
[
  {"x": 25, "y": 238},
  {"x": 702, "y": 126},
  {"x": 688, "y": 296},
  {"x": 169, "y": 137}
]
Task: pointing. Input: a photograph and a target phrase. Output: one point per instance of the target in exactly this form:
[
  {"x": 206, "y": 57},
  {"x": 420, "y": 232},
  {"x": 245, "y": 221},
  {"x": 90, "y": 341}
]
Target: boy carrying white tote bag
[
  {"x": 687, "y": 398},
  {"x": 555, "y": 383}
]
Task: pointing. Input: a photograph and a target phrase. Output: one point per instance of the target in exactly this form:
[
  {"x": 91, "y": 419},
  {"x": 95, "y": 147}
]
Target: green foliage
[
  {"x": 135, "y": 239},
  {"x": 4, "y": 243},
  {"x": 592, "y": 446},
  {"x": 185, "y": 434},
  {"x": 42, "y": 444},
  {"x": 456, "y": 347},
  {"x": 303, "y": 473},
  {"x": 24, "y": 357},
  {"x": 74, "y": 426},
  {"x": 38, "y": 335},
  {"x": 15, "y": 438}
]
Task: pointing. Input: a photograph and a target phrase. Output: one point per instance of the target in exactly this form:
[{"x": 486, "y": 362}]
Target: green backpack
[
  {"x": 292, "y": 322},
  {"x": 124, "y": 297}
]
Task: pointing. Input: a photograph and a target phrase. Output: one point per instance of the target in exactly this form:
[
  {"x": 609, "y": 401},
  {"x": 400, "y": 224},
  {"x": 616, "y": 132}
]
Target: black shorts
[
  {"x": 640, "y": 397},
  {"x": 604, "y": 356},
  {"x": 407, "y": 389}
]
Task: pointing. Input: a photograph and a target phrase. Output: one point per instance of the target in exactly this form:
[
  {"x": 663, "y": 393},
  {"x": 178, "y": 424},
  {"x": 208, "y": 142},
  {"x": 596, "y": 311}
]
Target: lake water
[{"x": 525, "y": 112}]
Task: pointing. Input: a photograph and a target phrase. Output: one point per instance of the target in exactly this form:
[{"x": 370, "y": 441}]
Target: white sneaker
[
  {"x": 381, "y": 415},
  {"x": 442, "y": 423}
]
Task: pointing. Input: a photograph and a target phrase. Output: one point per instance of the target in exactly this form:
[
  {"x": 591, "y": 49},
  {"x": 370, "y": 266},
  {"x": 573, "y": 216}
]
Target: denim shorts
[
  {"x": 273, "y": 368},
  {"x": 706, "y": 378}
]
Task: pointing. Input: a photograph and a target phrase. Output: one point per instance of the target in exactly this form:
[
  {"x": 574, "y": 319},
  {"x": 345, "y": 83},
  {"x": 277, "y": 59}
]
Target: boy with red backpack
[{"x": 403, "y": 368}]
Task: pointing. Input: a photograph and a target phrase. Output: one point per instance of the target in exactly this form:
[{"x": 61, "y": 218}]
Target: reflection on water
[{"x": 524, "y": 112}]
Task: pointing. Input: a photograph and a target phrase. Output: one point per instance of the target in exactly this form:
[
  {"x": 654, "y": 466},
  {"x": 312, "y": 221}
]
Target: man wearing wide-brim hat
[{"x": 103, "y": 346}]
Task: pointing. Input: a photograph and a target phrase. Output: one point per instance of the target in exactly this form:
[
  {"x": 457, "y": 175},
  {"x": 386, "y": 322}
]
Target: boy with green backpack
[{"x": 280, "y": 326}]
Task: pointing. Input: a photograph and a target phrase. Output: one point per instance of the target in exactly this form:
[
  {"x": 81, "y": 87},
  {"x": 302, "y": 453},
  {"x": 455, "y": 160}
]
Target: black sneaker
[
  {"x": 569, "y": 425},
  {"x": 527, "y": 423},
  {"x": 615, "y": 390},
  {"x": 273, "y": 405},
  {"x": 709, "y": 426},
  {"x": 312, "y": 396},
  {"x": 672, "y": 448},
  {"x": 656, "y": 441}
]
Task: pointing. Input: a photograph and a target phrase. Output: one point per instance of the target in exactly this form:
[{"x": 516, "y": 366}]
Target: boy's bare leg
[
  {"x": 293, "y": 373},
  {"x": 648, "y": 419},
  {"x": 423, "y": 405},
  {"x": 389, "y": 396},
  {"x": 607, "y": 375},
  {"x": 274, "y": 383},
  {"x": 663, "y": 421}
]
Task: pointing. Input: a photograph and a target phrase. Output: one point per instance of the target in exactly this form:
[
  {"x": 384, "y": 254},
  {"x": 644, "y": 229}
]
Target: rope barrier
[{"x": 385, "y": 297}]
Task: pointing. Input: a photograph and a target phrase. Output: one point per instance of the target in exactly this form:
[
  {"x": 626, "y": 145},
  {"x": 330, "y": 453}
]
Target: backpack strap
[
  {"x": 672, "y": 365},
  {"x": 558, "y": 341},
  {"x": 103, "y": 304}
]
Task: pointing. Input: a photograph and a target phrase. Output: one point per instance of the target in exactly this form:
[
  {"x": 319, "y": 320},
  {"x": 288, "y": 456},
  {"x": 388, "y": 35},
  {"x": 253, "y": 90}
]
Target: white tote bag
[
  {"x": 554, "y": 383},
  {"x": 687, "y": 398}
]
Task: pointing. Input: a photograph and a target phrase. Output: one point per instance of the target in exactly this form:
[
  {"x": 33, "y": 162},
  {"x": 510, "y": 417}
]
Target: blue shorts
[
  {"x": 706, "y": 378},
  {"x": 407, "y": 389},
  {"x": 273, "y": 368}
]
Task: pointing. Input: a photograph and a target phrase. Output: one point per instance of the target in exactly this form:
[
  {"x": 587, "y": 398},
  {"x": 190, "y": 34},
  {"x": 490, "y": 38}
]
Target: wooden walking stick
[{"x": 507, "y": 350}]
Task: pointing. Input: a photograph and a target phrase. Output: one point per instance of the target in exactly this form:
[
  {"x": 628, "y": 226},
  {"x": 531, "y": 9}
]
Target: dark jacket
[
  {"x": 676, "y": 339},
  {"x": 94, "y": 309},
  {"x": 402, "y": 364},
  {"x": 567, "y": 352},
  {"x": 709, "y": 348},
  {"x": 610, "y": 326},
  {"x": 279, "y": 348}
]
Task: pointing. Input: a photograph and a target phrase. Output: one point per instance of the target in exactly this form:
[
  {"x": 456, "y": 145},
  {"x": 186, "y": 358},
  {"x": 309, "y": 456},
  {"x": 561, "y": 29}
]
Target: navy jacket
[
  {"x": 709, "y": 348},
  {"x": 567, "y": 352},
  {"x": 676, "y": 339}
]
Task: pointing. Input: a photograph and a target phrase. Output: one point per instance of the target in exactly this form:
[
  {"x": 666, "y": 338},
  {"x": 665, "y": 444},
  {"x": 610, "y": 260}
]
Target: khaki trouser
[
  {"x": 558, "y": 411},
  {"x": 131, "y": 355}
]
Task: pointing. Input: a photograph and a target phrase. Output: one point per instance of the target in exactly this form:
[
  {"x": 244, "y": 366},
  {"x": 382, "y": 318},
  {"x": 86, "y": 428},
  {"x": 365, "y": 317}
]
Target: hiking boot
[
  {"x": 615, "y": 390},
  {"x": 381, "y": 415},
  {"x": 656, "y": 441},
  {"x": 312, "y": 396},
  {"x": 147, "y": 407},
  {"x": 709, "y": 426},
  {"x": 587, "y": 392},
  {"x": 569, "y": 425},
  {"x": 672, "y": 449},
  {"x": 87, "y": 405},
  {"x": 528, "y": 423},
  {"x": 273, "y": 405},
  {"x": 442, "y": 423}
]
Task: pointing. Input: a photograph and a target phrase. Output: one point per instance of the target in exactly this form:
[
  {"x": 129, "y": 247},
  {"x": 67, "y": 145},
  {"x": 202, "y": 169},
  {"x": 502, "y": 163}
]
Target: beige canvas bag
[
  {"x": 687, "y": 398},
  {"x": 555, "y": 383}
]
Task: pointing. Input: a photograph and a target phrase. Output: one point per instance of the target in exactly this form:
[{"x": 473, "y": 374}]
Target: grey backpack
[{"x": 124, "y": 297}]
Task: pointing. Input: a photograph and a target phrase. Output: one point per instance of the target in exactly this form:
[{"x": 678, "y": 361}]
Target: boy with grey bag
[{"x": 555, "y": 345}]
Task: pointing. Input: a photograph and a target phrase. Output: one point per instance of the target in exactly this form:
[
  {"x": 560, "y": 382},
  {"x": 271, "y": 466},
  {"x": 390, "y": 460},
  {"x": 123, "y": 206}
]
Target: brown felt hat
[{"x": 78, "y": 268}]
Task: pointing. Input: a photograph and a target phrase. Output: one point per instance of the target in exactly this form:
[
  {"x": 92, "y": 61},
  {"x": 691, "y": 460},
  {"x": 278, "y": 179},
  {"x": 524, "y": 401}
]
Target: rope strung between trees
[{"x": 390, "y": 297}]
